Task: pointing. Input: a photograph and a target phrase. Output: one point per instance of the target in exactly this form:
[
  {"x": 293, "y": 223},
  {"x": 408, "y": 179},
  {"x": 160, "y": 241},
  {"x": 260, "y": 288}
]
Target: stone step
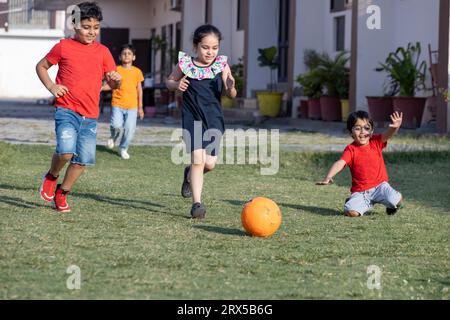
[{"x": 237, "y": 115}]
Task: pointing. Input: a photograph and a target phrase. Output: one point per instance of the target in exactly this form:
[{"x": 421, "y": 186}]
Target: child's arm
[
  {"x": 334, "y": 170},
  {"x": 106, "y": 87},
  {"x": 229, "y": 82},
  {"x": 56, "y": 90},
  {"x": 396, "y": 119},
  {"x": 140, "y": 101},
  {"x": 177, "y": 81},
  {"x": 113, "y": 79}
]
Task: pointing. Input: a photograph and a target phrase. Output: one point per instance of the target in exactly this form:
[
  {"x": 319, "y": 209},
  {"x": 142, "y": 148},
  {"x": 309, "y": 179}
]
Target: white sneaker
[
  {"x": 110, "y": 143},
  {"x": 124, "y": 154}
]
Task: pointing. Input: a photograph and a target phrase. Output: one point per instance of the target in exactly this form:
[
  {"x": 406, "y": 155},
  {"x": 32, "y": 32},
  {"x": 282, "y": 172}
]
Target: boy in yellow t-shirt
[{"x": 126, "y": 102}]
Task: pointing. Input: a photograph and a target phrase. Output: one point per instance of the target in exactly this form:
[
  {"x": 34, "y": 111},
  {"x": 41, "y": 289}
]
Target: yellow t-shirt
[{"x": 126, "y": 96}]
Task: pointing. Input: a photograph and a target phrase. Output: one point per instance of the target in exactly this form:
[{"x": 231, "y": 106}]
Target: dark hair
[
  {"x": 129, "y": 47},
  {"x": 354, "y": 116},
  {"x": 204, "y": 31},
  {"x": 88, "y": 10}
]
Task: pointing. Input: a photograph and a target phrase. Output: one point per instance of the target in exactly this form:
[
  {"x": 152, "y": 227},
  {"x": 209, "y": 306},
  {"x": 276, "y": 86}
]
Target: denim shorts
[
  {"x": 363, "y": 201},
  {"x": 77, "y": 135}
]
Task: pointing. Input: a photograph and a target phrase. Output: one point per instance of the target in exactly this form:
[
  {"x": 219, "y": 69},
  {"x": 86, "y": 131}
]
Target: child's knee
[
  {"x": 198, "y": 158},
  {"x": 393, "y": 202},
  {"x": 209, "y": 166},
  {"x": 352, "y": 214},
  {"x": 66, "y": 156}
]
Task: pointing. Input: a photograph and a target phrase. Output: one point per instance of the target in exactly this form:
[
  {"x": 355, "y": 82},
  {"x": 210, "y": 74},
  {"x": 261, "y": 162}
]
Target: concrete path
[{"x": 25, "y": 122}]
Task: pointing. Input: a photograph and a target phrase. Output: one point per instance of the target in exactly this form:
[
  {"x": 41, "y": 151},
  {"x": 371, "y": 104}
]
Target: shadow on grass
[
  {"x": 128, "y": 203},
  {"x": 310, "y": 209},
  {"x": 104, "y": 149},
  {"x": 314, "y": 210},
  {"x": 8, "y": 187},
  {"x": 238, "y": 203},
  {"x": 226, "y": 231},
  {"x": 18, "y": 202}
]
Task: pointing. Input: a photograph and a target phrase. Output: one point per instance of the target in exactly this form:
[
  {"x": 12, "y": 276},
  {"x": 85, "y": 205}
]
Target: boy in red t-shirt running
[
  {"x": 365, "y": 159},
  {"x": 83, "y": 64}
]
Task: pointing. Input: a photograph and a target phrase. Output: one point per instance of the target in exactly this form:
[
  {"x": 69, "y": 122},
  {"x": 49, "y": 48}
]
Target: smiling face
[
  {"x": 208, "y": 49},
  {"x": 87, "y": 31},
  {"x": 361, "y": 132}
]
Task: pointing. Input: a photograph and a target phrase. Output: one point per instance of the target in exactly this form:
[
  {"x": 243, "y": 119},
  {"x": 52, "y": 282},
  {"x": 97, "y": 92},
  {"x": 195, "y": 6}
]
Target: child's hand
[
  {"x": 183, "y": 84},
  {"x": 141, "y": 113},
  {"x": 58, "y": 90},
  {"x": 113, "y": 76},
  {"x": 324, "y": 182},
  {"x": 396, "y": 119},
  {"x": 230, "y": 81}
]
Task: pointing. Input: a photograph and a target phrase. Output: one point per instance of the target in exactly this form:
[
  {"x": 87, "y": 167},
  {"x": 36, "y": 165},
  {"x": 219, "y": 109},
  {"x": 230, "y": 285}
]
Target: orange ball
[{"x": 261, "y": 217}]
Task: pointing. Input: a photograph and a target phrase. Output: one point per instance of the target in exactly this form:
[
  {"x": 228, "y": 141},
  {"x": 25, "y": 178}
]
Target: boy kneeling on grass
[{"x": 365, "y": 159}]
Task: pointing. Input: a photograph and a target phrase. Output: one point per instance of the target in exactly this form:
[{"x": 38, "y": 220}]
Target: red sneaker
[
  {"x": 60, "y": 201},
  {"x": 48, "y": 186}
]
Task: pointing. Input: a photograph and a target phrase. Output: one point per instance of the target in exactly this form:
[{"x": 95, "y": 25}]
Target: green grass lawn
[{"x": 131, "y": 236}]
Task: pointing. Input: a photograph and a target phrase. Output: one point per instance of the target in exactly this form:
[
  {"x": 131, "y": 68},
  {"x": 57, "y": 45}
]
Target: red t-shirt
[
  {"x": 81, "y": 69},
  {"x": 366, "y": 164}
]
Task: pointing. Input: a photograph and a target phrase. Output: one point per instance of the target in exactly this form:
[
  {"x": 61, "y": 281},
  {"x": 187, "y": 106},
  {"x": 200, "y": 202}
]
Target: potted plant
[
  {"x": 405, "y": 68},
  {"x": 334, "y": 74},
  {"x": 381, "y": 107},
  {"x": 311, "y": 84},
  {"x": 269, "y": 101},
  {"x": 312, "y": 88}
]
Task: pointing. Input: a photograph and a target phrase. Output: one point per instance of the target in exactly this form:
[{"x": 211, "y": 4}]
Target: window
[
  {"x": 152, "y": 46},
  {"x": 339, "y": 27},
  {"x": 240, "y": 15},
  {"x": 170, "y": 50},
  {"x": 22, "y": 15},
  {"x": 163, "y": 51},
  {"x": 208, "y": 11},
  {"x": 340, "y": 5},
  {"x": 178, "y": 36},
  {"x": 283, "y": 40}
]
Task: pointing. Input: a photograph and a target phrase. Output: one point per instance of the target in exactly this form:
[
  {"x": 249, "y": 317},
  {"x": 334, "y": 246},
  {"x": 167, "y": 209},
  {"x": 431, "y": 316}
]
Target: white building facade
[{"x": 247, "y": 25}]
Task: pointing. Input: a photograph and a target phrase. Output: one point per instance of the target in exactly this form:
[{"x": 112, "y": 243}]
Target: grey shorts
[{"x": 363, "y": 201}]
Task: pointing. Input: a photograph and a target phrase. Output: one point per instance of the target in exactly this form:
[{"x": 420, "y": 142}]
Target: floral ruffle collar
[{"x": 187, "y": 66}]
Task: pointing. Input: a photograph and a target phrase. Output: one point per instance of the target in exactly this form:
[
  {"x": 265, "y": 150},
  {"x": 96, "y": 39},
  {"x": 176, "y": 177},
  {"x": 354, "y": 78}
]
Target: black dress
[{"x": 202, "y": 118}]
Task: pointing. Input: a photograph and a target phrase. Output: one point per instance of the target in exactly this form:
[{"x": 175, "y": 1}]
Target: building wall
[
  {"x": 20, "y": 51},
  {"x": 448, "y": 105},
  {"x": 194, "y": 16},
  {"x": 237, "y": 37},
  {"x": 316, "y": 30},
  {"x": 232, "y": 43},
  {"x": 224, "y": 17},
  {"x": 401, "y": 22},
  {"x": 262, "y": 35},
  {"x": 307, "y": 20},
  {"x": 140, "y": 16},
  {"x": 135, "y": 17}
]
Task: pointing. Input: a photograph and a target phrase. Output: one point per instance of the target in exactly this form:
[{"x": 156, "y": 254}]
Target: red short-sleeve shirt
[
  {"x": 366, "y": 164},
  {"x": 81, "y": 69}
]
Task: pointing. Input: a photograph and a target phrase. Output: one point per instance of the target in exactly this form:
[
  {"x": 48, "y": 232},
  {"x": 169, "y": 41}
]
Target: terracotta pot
[
  {"x": 412, "y": 109},
  {"x": 330, "y": 108},
  {"x": 303, "y": 109},
  {"x": 380, "y": 109},
  {"x": 314, "y": 109}
]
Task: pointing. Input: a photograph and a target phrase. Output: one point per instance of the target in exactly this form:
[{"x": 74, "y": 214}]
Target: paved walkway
[{"x": 25, "y": 122}]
